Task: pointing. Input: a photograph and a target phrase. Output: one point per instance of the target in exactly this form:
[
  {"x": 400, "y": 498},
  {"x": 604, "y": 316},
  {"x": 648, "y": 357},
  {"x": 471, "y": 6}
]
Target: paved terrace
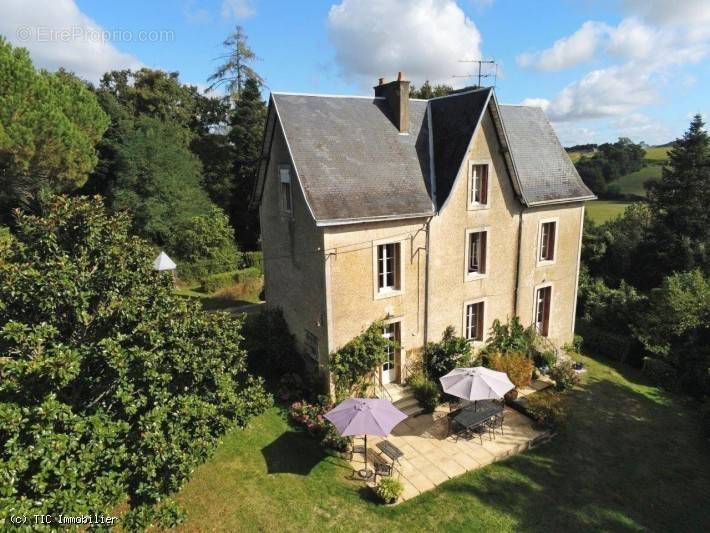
[{"x": 430, "y": 457}]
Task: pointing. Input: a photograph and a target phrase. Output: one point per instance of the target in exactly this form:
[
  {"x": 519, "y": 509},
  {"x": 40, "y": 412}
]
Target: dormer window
[
  {"x": 286, "y": 197},
  {"x": 478, "y": 181}
]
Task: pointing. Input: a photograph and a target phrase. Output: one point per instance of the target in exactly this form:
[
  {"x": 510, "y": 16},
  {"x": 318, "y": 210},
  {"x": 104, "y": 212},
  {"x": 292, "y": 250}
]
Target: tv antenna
[{"x": 481, "y": 74}]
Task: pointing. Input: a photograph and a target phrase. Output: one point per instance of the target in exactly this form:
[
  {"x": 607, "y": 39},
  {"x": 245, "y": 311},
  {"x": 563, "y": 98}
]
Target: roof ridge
[
  {"x": 282, "y": 93},
  {"x": 461, "y": 93}
]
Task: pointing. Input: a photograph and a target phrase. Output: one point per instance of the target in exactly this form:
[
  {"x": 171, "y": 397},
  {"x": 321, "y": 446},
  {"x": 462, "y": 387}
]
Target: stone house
[{"x": 425, "y": 213}]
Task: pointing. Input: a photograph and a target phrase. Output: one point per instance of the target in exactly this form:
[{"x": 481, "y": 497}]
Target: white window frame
[
  {"x": 539, "y": 260},
  {"x": 471, "y": 276},
  {"x": 472, "y": 205},
  {"x": 307, "y": 344},
  {"x": 484, "y": 321},
  {"x": 534, "y": 306},
  {"x": 387, "y": 292},
  {"x": 283, "y": 208}
]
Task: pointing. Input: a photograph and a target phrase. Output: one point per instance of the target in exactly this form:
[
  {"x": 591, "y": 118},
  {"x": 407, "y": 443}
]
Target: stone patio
[{"x": 430, "y": 457}]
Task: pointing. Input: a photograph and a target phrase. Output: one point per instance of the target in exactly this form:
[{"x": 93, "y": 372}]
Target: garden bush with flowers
[{"x": 310, "y": 416}]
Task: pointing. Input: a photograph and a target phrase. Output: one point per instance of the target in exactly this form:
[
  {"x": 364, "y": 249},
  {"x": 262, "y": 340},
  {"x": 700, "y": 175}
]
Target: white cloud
[
  {"x": 639, "y": 127},
  {"x": 58, "y": 34},
  {"x": 613, "y": 91},
  {"x": 569, "y": 51},
  {"x": 237, "y": 9},
  {"x": 689, "y": 14},
  {"x": 423, "y": 38}
]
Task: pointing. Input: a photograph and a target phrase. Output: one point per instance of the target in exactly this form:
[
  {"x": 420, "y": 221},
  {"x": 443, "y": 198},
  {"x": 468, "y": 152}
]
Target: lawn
[
  {"x": 602, "y": 210},
  {"x": 629, "y": 458},
  {"x": 633, "y": 183},
  {"x": 237, "y": 295}
]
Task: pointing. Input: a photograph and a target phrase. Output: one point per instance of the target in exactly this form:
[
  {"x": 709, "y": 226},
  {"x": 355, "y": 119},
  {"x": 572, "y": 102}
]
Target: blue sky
[{"x": 600, "y": 68}]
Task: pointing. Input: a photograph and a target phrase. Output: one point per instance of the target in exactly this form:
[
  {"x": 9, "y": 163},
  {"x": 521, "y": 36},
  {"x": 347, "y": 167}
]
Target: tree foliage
[
  {"x": 246, "y": 135},
  {"x": 236, "y": 68},
  {"x": 427, "y": 91},
  {"x": 49, "y": 126},
  {"x": 206, "y": 245},
  {"x": 109, "y": 384},
  {"x": 609, "y": 163}
]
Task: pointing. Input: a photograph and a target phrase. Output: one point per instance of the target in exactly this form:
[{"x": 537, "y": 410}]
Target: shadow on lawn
[
  {"x": 622, "y": 462},
  {"x": 292, "y": 452}
]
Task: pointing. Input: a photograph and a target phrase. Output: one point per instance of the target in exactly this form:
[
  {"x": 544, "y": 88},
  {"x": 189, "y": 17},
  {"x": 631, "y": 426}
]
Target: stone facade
[{"x": 324, "y": 278}]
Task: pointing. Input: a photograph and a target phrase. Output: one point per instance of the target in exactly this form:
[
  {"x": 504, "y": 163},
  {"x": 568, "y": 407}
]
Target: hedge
[
  {"x": 253, "y": 259},
  {"x": 602, "y": 342},
  {"x": 659, "y": 372},
  {"x": 215, "y": 282}
]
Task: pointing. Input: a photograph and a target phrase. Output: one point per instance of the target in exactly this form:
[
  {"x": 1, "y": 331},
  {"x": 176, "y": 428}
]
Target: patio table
[{"x": 472, "y": 416}]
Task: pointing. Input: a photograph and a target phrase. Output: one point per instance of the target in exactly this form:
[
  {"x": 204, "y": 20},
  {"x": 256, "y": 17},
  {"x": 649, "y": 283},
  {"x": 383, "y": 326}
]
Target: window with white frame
[
  {"x": 474, "y": 321},
  {"x": 311, "y": 345},
  {"x": 388, "y": 266},
  {"x": 548, "y": 232},
  {"x": 285, "y": 179},
  {"x": 477, "y": 243},
  {"x": 478, "y": 194},
  {"x": 543, "y": 301}
]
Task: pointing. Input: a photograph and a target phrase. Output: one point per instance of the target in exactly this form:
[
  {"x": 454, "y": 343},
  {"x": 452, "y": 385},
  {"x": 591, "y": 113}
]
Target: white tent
[{"x": 163, "y": 262}]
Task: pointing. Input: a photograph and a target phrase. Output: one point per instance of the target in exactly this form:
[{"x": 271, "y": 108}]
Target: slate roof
[
  {"x": 351, "y": 159},
  {"x": 544, "y": 169},
  {"x": 354, "y": 164},
  {"x": 454, "y": 120}
]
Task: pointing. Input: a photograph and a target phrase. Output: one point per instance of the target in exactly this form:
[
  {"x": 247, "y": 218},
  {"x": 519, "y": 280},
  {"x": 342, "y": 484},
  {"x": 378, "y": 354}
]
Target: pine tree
[
  {"x": 246, "y": 135},
  {"x": 680, "y": 239},
  {"x": 236, "y": 70}
]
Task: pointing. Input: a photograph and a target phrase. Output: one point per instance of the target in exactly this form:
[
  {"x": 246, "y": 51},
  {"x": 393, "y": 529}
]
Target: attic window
[
  {"x": 285, "y": 179},
  {"x": 478, "y": 190}
]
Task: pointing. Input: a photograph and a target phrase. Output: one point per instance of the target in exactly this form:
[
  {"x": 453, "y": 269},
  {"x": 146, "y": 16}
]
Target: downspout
[
  {"x": 426, "y": 283},
  {"x": 518, "y": 266}
]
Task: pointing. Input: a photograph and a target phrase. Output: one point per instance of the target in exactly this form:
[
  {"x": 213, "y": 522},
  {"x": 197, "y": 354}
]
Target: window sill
[
  {"x": 475, "y": 277},
  {"x": 385, "y": 293},
  {"x": 545, "y": 263},
  {"x": 478, "y": 207}
]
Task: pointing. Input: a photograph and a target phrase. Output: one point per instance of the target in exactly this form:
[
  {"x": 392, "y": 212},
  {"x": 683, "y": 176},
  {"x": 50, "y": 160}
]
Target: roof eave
[
  {"x": 345, "y": 221},
  {"x": 562, "y": 201}
]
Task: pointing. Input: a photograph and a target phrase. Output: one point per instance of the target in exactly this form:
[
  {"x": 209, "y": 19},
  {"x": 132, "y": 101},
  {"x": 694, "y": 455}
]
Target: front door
[{"x": 389, "y": 368}]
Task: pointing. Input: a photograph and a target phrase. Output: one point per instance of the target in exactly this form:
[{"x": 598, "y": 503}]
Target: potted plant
[{"x": 389, "y": 490}]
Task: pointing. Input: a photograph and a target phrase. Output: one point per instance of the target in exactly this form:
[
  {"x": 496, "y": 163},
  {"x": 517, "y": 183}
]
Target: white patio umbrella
[{"x": 477, "y": 383}]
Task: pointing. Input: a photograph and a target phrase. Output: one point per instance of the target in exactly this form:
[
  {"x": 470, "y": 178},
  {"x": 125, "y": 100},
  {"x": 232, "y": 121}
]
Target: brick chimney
[{"x": 397, "y": 95}]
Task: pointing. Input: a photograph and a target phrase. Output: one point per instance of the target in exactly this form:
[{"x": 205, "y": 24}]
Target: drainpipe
[
  {"x": 426, "y": 283},
  {"x": 518, "y": 266}
]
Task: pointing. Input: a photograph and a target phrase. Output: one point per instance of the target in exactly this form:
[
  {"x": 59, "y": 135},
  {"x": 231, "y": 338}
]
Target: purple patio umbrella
[{"x": 365, "y": 416}]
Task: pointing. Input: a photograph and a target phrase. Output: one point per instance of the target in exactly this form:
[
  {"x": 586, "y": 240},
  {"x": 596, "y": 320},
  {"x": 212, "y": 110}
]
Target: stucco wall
[
  {"x": 293, "y": 256},
  {"x": 449, "y": 288},
  {"x": 350, "y": 270}
]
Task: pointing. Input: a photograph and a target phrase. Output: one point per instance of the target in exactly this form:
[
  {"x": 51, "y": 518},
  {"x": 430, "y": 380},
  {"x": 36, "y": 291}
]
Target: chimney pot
[
  {"x": 382, "y": 81},
  {"x": 397, "y": 95},
  {"x": 400, "y": 76}
]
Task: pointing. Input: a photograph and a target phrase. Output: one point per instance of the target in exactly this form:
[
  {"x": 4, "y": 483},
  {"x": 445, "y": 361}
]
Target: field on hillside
[{"x": 602, "y": 210}]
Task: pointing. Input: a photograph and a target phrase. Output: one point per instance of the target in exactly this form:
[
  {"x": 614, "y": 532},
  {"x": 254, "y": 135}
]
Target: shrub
[
  {"x": 253, "y": 260},
  {"x": 389, "y": 490},
  {"x": 311, "y": 418},
  {"x": 221, "y": 280},
  {"x": 270, "y": 346},
  {"x": 545, "y": 408},
  {"x": 518, "y": 367},
  {"x": 204, "y": 245},
  {"x": 546, "y": 359},
  {"x": 440, "y": 358},
  {"x": 512, "y": 337},
  {"x": 659, "y": 372},
  {"x": 111, "y": 384},
  {"x": 426, "y": 392},
  {"x": 564, "y": 375},
  {"x": 600, "y": 341}
]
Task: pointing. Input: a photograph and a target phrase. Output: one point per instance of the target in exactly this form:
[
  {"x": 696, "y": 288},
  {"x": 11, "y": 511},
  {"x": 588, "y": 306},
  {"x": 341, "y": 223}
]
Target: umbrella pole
[{"x": 366, "y": 473}]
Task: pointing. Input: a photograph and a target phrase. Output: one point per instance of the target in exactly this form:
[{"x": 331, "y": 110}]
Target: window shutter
[
  {"x": 479, "y": 325},
  {"x": 551, "y": 241},
  {"x": 396, "y": 256},
  {"x": 484, "y": 184},
  {"x": 484, "y": 245}
]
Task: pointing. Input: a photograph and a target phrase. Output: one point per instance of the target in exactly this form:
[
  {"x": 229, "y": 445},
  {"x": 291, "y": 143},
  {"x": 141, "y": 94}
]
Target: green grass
[
  {"x": 633, "y": 183},
  {"x": 629, "y": 458},
  {"x": 237, "y": 295},
  {"x": 602, "y": 210},
  {"x": 4, "y": 233}
]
